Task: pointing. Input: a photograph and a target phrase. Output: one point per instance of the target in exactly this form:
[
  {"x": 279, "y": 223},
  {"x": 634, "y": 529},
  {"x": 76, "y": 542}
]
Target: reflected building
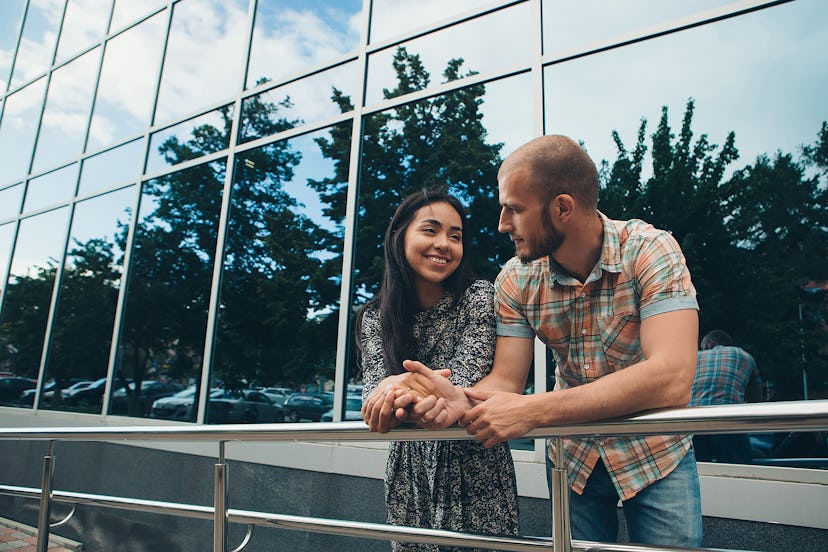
[{"x": 193, "y": 193}]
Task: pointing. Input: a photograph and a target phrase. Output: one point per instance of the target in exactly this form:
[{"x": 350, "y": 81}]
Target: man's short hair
[{"x": 715, "y": 338}]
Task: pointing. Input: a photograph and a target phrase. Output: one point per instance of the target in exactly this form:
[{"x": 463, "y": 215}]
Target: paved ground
[{"x": 22, "y": 538}]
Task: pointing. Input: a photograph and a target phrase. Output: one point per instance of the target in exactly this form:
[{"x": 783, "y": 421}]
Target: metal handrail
[{"x": 760, "y": 417}]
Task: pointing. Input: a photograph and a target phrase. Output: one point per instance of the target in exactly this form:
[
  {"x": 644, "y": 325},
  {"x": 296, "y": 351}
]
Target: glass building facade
[{"x": 193, "y": 193}]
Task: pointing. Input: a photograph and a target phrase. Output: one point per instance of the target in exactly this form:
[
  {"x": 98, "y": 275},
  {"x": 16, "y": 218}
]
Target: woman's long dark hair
[{"x": 396, "y": 300}]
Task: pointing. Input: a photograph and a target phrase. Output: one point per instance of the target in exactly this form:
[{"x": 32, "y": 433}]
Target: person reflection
[
  {"x": 725, "y": 374},
  {"x": 430, "y": 308}
]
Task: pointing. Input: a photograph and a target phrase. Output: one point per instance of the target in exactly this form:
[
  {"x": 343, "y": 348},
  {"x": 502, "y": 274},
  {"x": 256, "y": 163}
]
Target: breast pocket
[{"x": 621, "y": 340}]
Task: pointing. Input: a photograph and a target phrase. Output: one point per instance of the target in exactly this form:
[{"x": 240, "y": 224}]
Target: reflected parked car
[
  {"x": 277, "y": 394},
  {"x": 353, "y": 409},
  {"x": 246, "y": 406},
  {"x": 178, "y": 406},
  {"x": 91, "y": 395},
  {"x": 307, "y": 406},
  {"x": 151, "y": 391},
  {"x": 12, "y": 387},
  {"x": 47, "y": 395}
]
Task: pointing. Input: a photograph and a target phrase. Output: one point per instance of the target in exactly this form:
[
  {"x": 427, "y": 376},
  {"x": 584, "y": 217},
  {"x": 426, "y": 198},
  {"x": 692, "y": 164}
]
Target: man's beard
[{"x": 543, "y": 245}]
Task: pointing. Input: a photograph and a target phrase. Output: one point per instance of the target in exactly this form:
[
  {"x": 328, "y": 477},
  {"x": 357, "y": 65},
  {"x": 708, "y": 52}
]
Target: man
[
  {"x": 614, "y": 303},
  {"x": 725, "y": 375}
]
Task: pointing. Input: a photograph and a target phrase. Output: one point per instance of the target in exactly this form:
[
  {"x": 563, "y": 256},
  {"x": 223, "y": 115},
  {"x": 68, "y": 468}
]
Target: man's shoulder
[{"x": 517, "y": 269}]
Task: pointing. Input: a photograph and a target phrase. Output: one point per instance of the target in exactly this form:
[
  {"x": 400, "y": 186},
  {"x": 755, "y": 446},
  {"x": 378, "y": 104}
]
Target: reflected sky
[
  {"x": 10, "y": 201},
  {"x": 569, "y": 25},
  {"x": 201, "y": 64},
  {"x": 40, "y": 242},
  {"x": 38, "y": 44},
  {"x": 10, "y": 13},
  {"x": 116, "y": 166},
  {"x": 127, "y": 11},
  {"x": 755, "y": 75},
  {"x": 66, "y": 116},
  {"x": 390, "y": 18},
  {"x": 51, "y": 188},
  {"x": 83, "y": 25},
  {"x": 299, "y": 102},
  {"x": 480, "y": 43},
  {"x": 18, "y": 129},
  {"x": 6, "y": 236},
  {"x": 127, "y": 86},
  {"x": 291, "y": 36}
]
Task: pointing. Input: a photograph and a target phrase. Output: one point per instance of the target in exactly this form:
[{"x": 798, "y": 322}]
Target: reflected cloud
[
  {"x": 38, "y": 42},
  {"x": 390, "y": 18},
  {"x": 83, "y": 25}
]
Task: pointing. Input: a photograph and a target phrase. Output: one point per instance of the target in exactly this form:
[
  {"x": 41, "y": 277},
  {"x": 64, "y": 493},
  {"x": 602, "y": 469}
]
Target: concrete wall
[{"x": 137, "y": 472}]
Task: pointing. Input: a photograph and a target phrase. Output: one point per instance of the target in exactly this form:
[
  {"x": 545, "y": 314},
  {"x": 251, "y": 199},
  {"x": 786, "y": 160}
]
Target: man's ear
[{"x": 562, "y": 206}]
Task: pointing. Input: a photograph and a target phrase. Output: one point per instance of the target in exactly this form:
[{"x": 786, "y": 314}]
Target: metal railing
[{"x": 748, "y": 418}]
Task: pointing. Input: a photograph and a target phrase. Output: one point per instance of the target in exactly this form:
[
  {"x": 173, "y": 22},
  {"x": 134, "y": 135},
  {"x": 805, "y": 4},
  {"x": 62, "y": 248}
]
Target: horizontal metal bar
[
  {"x": 335, "y": 526},
  {"x": 743, "y": 418}
]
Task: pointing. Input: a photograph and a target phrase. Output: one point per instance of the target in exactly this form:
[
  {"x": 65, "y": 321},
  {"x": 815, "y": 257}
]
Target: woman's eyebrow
[{"x": 436, "y": 222}]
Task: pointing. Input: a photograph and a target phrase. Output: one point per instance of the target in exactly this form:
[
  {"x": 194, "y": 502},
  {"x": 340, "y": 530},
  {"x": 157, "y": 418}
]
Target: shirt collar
[{"x": 610, "y": 259}]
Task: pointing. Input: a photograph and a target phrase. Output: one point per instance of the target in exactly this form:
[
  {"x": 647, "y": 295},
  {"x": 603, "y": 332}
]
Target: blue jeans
[{"x": 668, "y": 512}]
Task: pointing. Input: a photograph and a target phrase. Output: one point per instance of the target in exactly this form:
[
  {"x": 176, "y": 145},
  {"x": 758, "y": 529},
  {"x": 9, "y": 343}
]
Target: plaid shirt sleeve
[
  {"x": 663, "y": 276},
  {"x": 511, "y": 321}
]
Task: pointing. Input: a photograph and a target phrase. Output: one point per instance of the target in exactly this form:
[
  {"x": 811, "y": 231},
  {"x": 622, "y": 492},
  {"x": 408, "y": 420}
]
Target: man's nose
[{"x": 503, "y": 223}]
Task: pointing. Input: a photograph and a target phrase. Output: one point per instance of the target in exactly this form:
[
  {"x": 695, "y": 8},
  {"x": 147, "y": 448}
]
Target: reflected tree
[{"x": 752, "y": 240}]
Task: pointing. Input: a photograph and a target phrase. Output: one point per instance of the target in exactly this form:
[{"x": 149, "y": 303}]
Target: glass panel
[
  {"x": 568, "y": 25},
  {"x": 290, "y": 36},
  {"x": 211, "y": 132},
  {"x": 721, "y": 145},
  {"x": 113, "y": 167},
  {"x": 6, "y": 237},
  {"x": 67, "y": 112},
  {"x": 38, "y": 44},
  {"x": 28, "y": 294},
  {"x": 390, "y": 18},
  {"x": 477, "y": 46},
  {"x": 10, "y": 202},
  {"x": 128, "y": 11},
  {"x": 281, "y": 283},
  {"x": 82, "y": 330},
  {"x": 83, "y": 25},
  {"x": 201, "y": 66},
  {"x": 300, "y": 102},
  {"x": 171, "y": 268},
  {"x": 11, "y": 12},
  {"x": 18, "y": 129},
  {"x": 457, "y": 140},
  {"x": 127, "y": 87},
  {"x": 51, "y": 188}
]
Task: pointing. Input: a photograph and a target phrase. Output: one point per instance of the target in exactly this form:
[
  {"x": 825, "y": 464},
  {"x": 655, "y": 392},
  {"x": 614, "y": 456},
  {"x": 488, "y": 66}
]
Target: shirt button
[
  {"x": 583, "y": 331},
  {"x": 586, "y": 366},
  {"x": 601, "y": 442}
]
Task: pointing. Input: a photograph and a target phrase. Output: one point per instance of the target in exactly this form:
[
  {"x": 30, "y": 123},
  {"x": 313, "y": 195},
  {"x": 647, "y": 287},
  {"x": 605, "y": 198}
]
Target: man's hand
[
  {"x": 499, "y": 417},
  {"x": 444, "y": 402}
]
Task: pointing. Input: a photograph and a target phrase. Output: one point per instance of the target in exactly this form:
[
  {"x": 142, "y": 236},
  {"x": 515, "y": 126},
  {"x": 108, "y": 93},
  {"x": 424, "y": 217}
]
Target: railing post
[
  {"x": 220, "y": 502},
  {"x": 561, "y": 534},
  {"x": 46, "y": 498}
]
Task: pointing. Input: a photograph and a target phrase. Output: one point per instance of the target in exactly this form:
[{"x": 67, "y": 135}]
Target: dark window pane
[
  {"x": 205, "y": 134},
  {"x": 51, "y": 188},
  {"x": 201, "y": 66},
  {"x": 171, "y": 269},
  {"x": 18, "y": 129},
  {"x": 65, "y": 119},
  {"x": 113, "y": 167},
  {"x": 82, "y": 331},
  {"x": 38, "y": 44},
  {"x": 488, "y": 43},
  {"x": 126, "y": 93},
  {"x": 291, "y": 37},
  {"x": 456, "y": 140},
  {"x": 28, "y": 294},
  {"x": 281, "y": 283},
  {"x": 83, "y": 25},
  {"x": 303, "y": 101},
  {"x": 10, "y": 202}
]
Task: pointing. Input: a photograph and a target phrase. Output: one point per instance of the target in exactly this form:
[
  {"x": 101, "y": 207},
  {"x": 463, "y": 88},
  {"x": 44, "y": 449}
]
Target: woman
[{"x": 430, "y": 308}]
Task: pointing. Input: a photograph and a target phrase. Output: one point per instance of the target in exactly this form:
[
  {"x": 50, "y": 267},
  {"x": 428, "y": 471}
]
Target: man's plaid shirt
[
  {"x": 723, "y": 375},
  {"x": 593, "y": 329}
]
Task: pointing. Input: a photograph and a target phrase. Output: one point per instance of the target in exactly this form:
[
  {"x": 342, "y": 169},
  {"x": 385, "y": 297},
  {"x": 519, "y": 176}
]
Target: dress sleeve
[
  {"x": 373, "y": 365},
  {"x": 475, "y": 345}
]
